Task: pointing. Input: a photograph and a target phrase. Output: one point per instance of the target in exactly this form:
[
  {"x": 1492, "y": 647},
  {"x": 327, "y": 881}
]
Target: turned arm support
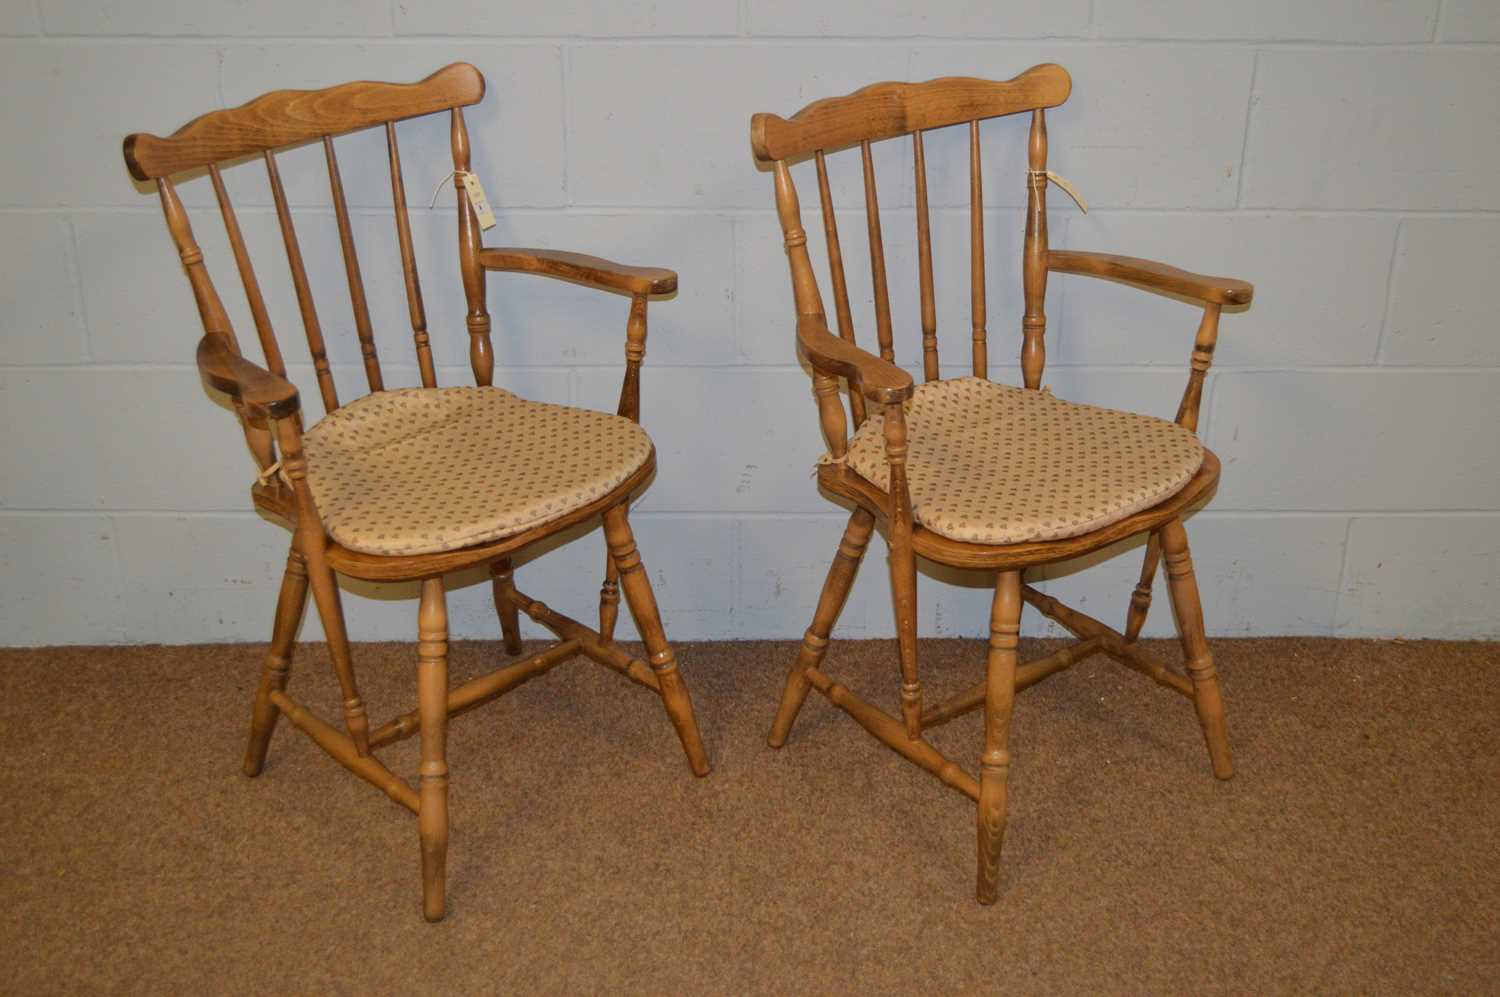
[
  {"x": 878, "y": 380},
  {"x": 602, "y": 275},
  {"x": 267, "y": 395},
  {"x": 257, "y": 388},
  {"x": 591, "y": 271},
  {"x": 1213, "y": 292},
  {"x": 1152, "y": 275}
]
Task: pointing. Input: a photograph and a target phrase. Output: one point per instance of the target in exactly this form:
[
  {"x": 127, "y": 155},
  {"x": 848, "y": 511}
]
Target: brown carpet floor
[{"x": 1357, "y": 850}]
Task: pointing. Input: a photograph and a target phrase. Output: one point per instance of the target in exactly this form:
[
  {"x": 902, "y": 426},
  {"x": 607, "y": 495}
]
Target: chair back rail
[{"x": 285, "y": 118}]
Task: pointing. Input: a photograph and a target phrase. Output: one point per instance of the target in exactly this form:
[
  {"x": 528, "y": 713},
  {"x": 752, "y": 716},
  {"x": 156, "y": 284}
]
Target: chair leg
[
  {"x": 609, "y": 599},
  {"x": 999, "y": 697},
  {"x": 510, "y": 618},
  {"x": 1200, "y": 663},
  {"x": 1140, "y": 599},
  {"x": 432, "y": 707},
  {"x": 643, "y": 608},
  {"x": 815, "y": 641},
  {"x": 273, "y": 677},
  {"x": 904, "y": 595},
  {"x": 325, "y": 590}
]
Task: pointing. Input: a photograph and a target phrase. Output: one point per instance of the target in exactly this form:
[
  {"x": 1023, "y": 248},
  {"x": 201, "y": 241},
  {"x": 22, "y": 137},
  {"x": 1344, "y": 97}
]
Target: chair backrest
[
  {"x": 291, "y": 117},
  {"x": 888, "y": 110}
]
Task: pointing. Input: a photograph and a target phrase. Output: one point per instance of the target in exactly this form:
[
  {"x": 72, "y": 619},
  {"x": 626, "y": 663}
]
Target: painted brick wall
[{"x": 1341, "y": 154}]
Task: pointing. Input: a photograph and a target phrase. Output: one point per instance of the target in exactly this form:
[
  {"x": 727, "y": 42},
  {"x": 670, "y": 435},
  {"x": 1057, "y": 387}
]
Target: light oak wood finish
[
  {"x": 269, "y": 409},
  {"x": 830, "y": 604},
  {"x": 875, "y": 383}
]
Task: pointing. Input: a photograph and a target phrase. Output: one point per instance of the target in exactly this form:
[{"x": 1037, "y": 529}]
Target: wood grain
[
  {"x": 289, "y": 117},
  {"x": 884, "y": 111},
  {"x": 268, "y": 408}
]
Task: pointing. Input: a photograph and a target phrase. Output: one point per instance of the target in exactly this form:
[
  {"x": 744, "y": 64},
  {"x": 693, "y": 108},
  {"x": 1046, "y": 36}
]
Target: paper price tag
[
  {"x": 478, "y": 201},
  {"x": 1071, "y": 191}
]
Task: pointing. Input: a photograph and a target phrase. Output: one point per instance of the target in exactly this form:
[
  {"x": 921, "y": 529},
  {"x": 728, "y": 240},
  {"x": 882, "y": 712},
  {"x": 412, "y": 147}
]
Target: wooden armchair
[
  {"x": 415, "y": 483},
  {"x": 981, "y": 475}
]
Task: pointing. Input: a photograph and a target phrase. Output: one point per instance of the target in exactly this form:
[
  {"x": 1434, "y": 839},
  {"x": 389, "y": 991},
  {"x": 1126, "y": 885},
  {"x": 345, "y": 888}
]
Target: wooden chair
[
  {"x": 415, "y": 483},
  {"x": 980, "y": 475}
]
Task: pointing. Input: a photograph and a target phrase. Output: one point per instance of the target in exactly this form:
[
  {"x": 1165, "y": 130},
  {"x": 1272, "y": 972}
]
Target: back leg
[
  {"x": 502, "y": 576},
  {"x": 609, "y": 599},
  {"x": 1200, "y": 662},
  {"x": 1140, "y": 599},
  {"x": 273, "y": 677},
  {"x": 830, "y": 603},
  {"x": 999, "y": 698},
  {"x": 642, "y": 602}
]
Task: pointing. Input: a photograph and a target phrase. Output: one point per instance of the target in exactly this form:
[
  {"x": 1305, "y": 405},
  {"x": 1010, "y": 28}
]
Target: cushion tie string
[
  {"x": 1067, "y": 187},
  {"x": 264, "y": 476}
]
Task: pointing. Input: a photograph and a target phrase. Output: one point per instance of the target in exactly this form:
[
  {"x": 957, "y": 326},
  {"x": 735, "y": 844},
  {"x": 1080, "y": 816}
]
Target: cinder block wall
[{"x": 1342, "y": 154}]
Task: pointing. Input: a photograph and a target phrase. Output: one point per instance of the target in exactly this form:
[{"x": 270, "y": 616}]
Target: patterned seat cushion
[
  {"x": 420, "y": 470},
  {"x": 990, "y": 463}
]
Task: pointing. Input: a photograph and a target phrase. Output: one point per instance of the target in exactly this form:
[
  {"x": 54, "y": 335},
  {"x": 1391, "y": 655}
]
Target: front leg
[
  {"x": 999, "y": 698},
  {"x": 642, "y": 602}
]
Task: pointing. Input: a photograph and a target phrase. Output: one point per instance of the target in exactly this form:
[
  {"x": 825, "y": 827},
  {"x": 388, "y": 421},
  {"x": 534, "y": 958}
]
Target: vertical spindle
[
  {"x": 1034, "y": 256},
  {"x": 481, "y": 354},
  {"x": 305, "y": 304},
  {"x": 357, "y": 301},
  {"x": 836, "y": 272},
  {"x": 924, "y": 263},
  {"x": 976, "y": 257},
  {"x": 409, "y": 262},
  {"x": 268, "y": 345},
  {"x": 877, "y": 259},
  {"x": 211, "y": 311}
]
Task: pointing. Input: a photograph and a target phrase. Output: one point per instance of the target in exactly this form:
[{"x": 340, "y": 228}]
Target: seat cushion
[
  {"x": 990, "y": 463},
  {"x": 420, "y": 470}
]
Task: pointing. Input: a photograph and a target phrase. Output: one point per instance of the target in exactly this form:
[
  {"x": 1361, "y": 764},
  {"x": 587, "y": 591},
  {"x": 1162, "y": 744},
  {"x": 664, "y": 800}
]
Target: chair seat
[
  {"x": 422, "y": 470},
  {"x": 994, "y": 464}
]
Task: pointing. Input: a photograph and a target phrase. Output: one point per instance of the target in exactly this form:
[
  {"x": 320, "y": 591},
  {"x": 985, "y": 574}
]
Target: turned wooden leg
[
  {"x": 325, "y": 590},
  {"x": 830, "y": 603},
  {"x": 904, "y": 595},
  {"x": 642, "y": 602},
  {"x": 432, "y": 707},
  {"x": 510, "y": 618},
  {"x": 1140, "y": 599},
  {"x": 999, "y": 697},
  {"x": 273, "y": 677},
  {"x": 609, "y": 599},
  {"x": 1200, "y": 663}
]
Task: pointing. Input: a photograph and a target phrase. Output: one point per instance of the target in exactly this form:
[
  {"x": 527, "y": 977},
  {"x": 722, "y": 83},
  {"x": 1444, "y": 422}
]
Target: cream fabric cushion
[
  {"x": 993, "y": 464},
  {"x": 420, "y": 470}
]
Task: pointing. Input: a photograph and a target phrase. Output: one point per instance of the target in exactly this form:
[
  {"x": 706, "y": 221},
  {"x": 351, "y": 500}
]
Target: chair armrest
[
  {"x": 249, "y": 382},
  {"x": 590, "y": 270},
  {"x": 1156, "y": 276},
  {"x": 877, "y": 379}
]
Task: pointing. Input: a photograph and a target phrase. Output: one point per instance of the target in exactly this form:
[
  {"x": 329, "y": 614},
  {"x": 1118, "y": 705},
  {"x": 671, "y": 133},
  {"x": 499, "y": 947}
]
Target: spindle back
[
  {"x": 285, "y": 118},
  {"x": 889, "y": 110}
]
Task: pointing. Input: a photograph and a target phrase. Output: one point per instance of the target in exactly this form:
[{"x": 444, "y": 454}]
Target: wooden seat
[
  {"x": 977, "y": 475},
  {"x": 415, "y": 483}
]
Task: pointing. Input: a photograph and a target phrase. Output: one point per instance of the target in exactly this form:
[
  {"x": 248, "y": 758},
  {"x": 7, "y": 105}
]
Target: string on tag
[
  {"x": 439, "y": 189},
  {"x": 1067, "y": 187}
]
